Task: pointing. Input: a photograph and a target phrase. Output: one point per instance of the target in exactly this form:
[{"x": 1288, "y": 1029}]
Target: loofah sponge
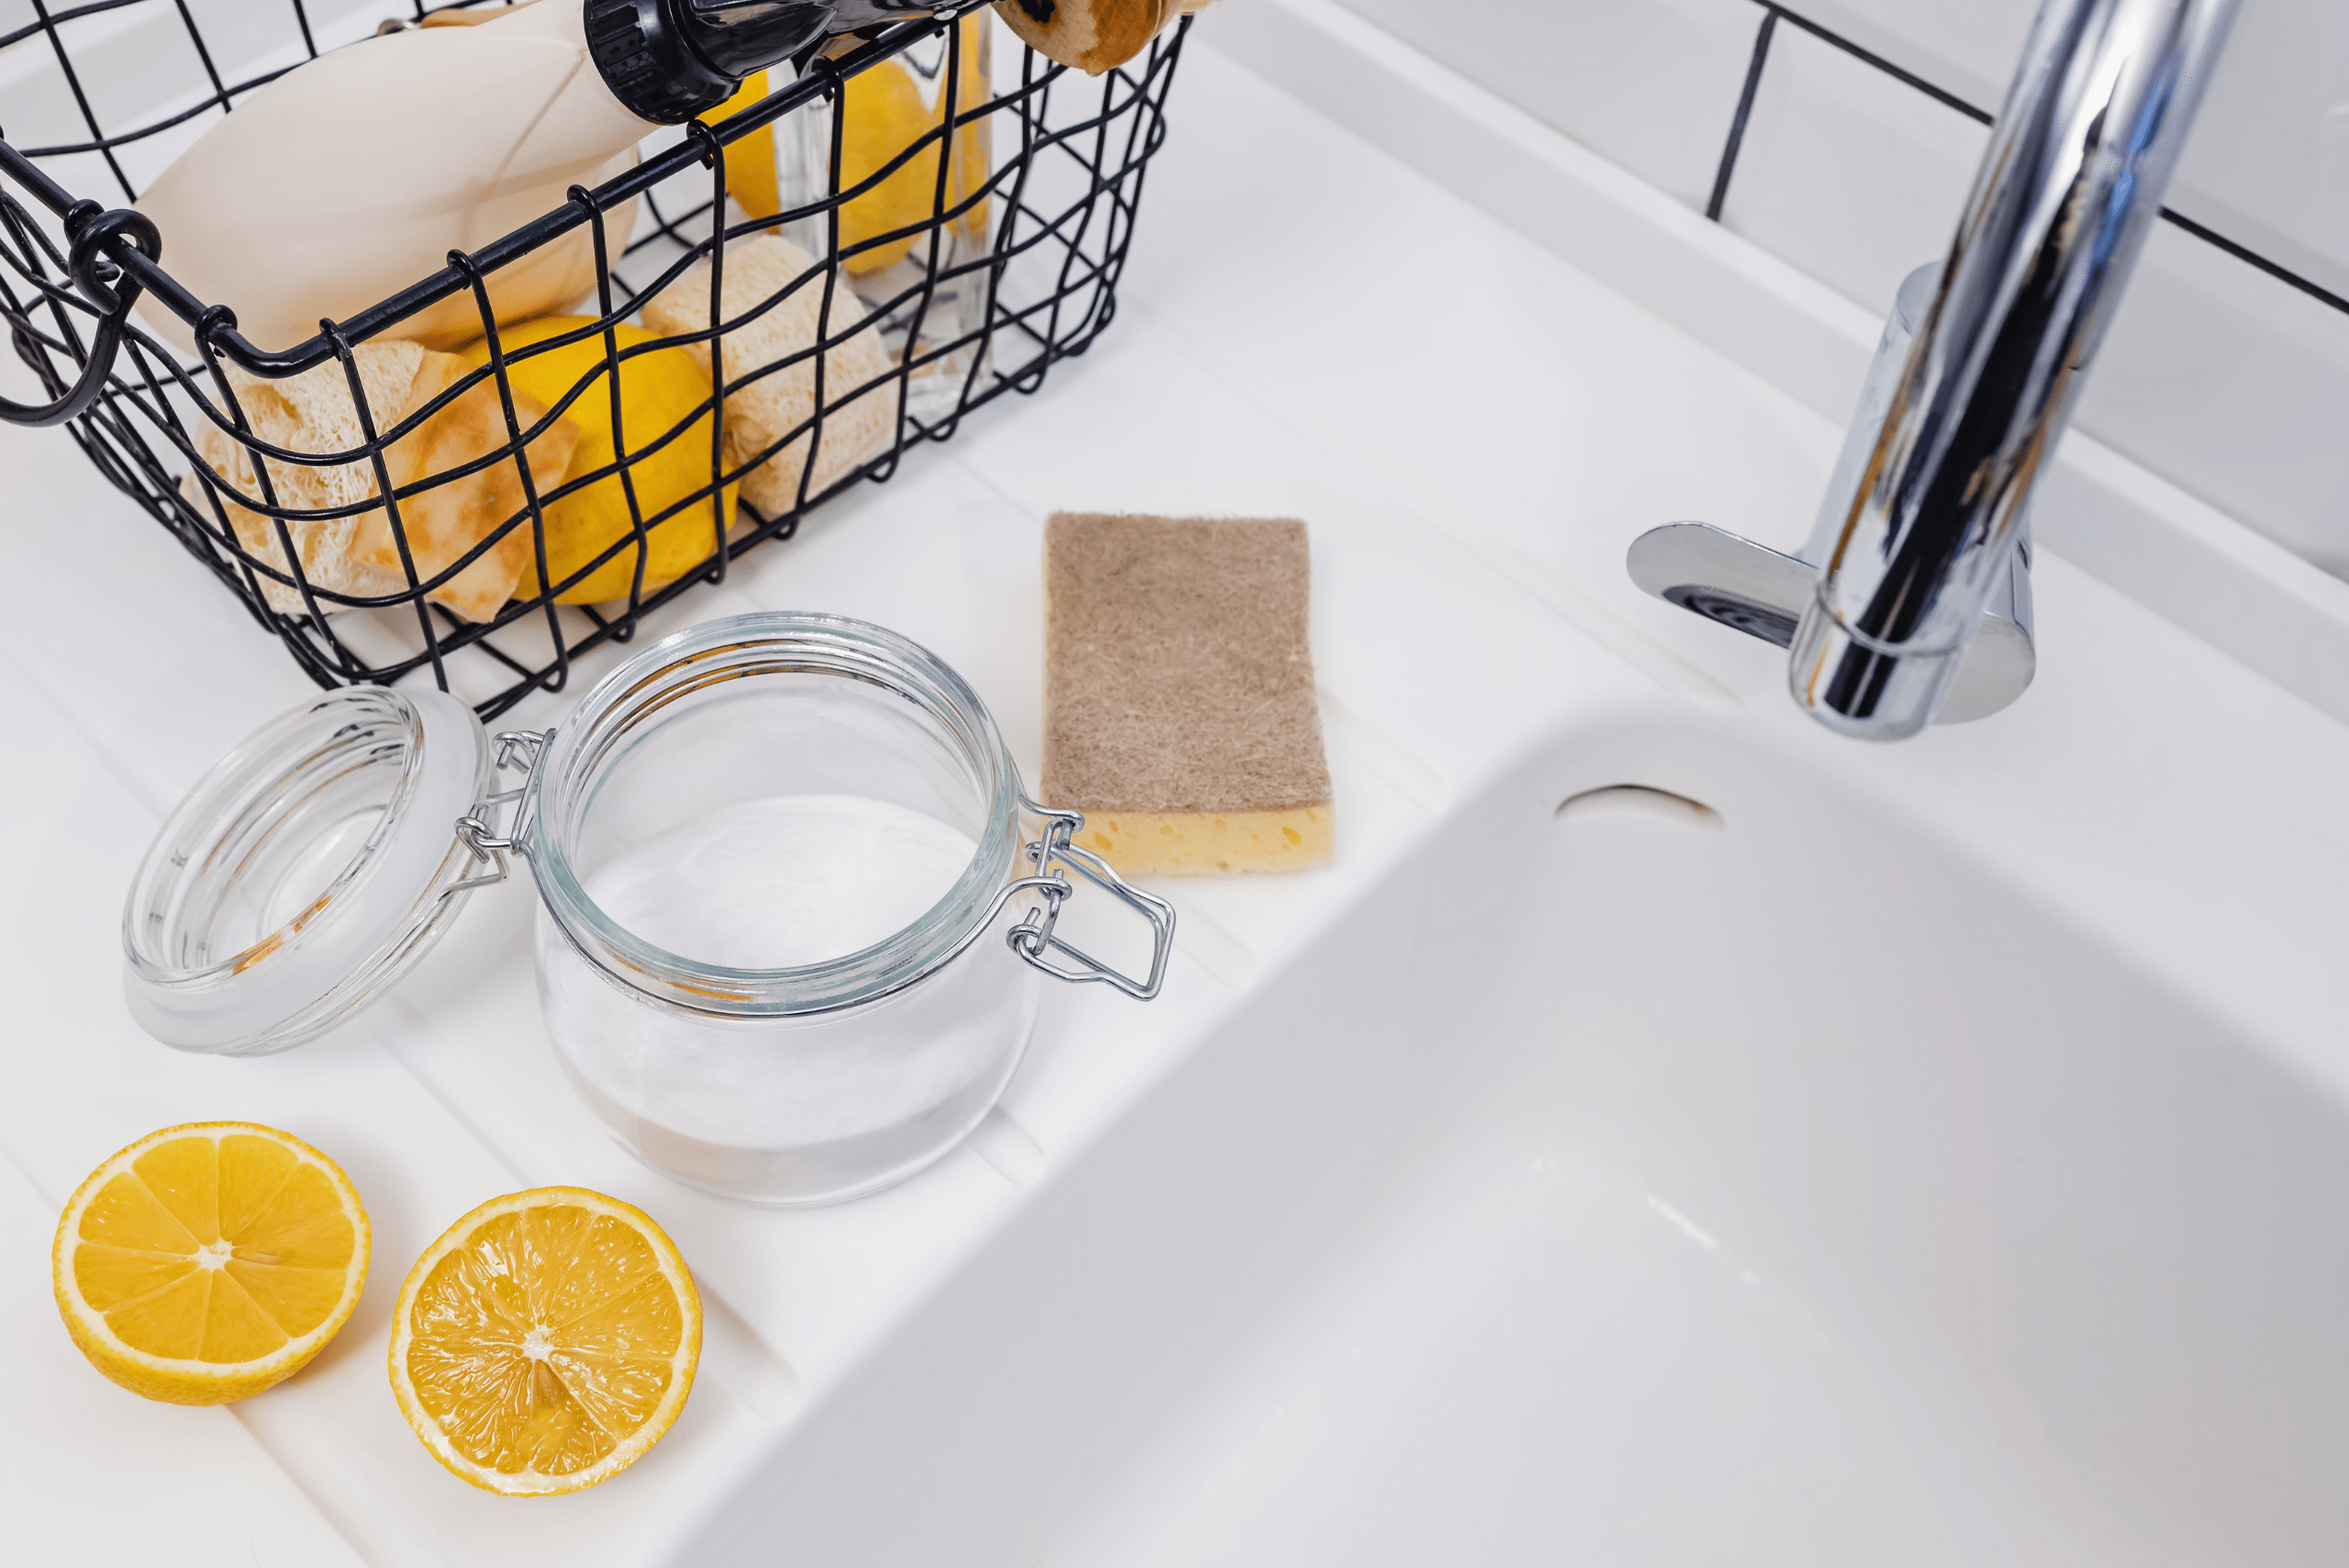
[
  {"x": 308, "y": 413},
  {"x": 313, "y": 413},
  {"x": 1179, "y": 712},
  {"x": 762, "y": 413},
  {"x": 442, "y": 523}
]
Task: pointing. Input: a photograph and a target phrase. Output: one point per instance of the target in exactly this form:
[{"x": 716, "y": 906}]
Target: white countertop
[{"x": 1474, "y": 429}]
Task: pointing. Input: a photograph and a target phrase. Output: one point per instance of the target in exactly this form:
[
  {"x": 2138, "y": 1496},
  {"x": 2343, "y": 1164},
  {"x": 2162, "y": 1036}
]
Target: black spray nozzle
[{"x": 667, "y": 61}]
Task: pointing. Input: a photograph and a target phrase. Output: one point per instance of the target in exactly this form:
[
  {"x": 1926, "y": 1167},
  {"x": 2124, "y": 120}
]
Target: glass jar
[{"x": 253, "y": 927}]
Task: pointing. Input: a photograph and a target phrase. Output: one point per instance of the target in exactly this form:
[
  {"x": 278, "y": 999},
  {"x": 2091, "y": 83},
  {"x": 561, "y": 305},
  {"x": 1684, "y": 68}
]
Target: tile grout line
[
  {"x": 1940, "y": 96},
  {"x": 2249, "y": 257},
  {"x": 1773, "y": 12},
  {"x": 1729, "y": 151}
]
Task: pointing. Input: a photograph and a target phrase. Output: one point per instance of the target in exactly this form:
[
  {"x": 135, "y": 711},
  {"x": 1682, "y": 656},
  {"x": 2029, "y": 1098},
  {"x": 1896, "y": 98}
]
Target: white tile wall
[
  {"x": 1965, "y": 46},
  {"x": 2216, "y": 376},
  {"x": 1847, "y": 172},
  {"x": 2269, "y": 166},
  {"x": 1650, "y": 84},
  {"x": 2234, "y": 387}
]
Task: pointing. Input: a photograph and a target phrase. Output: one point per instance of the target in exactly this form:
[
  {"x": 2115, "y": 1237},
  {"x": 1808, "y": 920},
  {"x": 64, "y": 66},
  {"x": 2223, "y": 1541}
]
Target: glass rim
[
  {"x": 764, "y": 645},
  {"x": 234, "y": 785},
  {"x": 378, "y": 913}
]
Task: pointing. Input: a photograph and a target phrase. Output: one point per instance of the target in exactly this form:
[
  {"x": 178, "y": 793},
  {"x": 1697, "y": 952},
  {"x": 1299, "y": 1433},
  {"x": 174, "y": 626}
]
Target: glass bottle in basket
[{"x": 903, "y": 220}]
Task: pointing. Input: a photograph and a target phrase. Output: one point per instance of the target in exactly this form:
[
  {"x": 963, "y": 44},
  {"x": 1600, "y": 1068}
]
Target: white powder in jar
[
  {"x": 785, "y": 882},
  {"x": 789, "y": 1106}
]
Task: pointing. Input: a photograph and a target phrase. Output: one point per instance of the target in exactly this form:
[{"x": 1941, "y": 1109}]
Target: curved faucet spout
[{"x": 2071, "y": 183}]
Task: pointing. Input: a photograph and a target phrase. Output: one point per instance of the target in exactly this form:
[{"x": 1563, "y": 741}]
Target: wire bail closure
[
  {"x": 521, "y": 751},
  {"x": 1033, "y": 938}
]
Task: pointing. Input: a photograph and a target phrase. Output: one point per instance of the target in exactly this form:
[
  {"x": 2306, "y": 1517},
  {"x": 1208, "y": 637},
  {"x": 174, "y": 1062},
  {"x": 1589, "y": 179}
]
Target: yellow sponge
[
  {"x": 1175, "y": 843},
  {"x": 1179, "y": 712}
]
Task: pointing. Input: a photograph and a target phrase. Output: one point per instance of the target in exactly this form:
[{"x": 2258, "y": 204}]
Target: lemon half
[
  {"x": 207, "y": 1262},
  {"x": 545, "y": 1341}
]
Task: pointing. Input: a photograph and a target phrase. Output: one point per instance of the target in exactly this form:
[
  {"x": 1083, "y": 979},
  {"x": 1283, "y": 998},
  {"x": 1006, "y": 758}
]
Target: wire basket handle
[{"x": 91, "y": 230}]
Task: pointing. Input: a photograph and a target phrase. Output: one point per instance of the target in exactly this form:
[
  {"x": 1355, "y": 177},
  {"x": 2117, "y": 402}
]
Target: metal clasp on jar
[
  {"x": 519, "y": 750},
  {"x": 1033, "y": 938}
]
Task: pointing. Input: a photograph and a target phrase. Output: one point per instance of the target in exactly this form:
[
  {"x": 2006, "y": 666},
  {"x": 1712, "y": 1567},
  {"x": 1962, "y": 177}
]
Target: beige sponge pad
[
  {"x": 762, "y": 412},
  {"x": 1179, "y": 712}
]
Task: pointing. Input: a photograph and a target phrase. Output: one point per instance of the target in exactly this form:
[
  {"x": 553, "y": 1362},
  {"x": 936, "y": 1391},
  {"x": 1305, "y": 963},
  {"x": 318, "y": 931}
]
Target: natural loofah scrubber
[
  {"x": 355, "y": 553},
  {"x": 760, "y": 414},
  {"x": 1179, "y": 712}
]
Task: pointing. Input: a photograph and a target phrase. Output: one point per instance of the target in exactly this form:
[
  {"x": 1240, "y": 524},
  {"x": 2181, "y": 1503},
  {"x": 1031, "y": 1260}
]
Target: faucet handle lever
[
  {"x": 1762, "y": 593},
  {"x": 1713, "y": 573}
]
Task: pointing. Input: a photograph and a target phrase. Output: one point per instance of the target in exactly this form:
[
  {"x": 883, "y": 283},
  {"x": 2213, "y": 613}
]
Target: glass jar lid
[{"x": 308, "y": 871}]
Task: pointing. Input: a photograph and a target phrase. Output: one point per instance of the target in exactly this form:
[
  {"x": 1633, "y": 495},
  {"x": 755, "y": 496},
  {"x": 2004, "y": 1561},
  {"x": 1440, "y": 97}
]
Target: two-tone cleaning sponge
[{"x": 1179, "y": 710}]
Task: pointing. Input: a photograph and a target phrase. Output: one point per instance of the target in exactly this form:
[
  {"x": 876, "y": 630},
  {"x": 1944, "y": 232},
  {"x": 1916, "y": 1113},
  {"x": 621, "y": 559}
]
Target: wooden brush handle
[{"x": 1094, "y": 36}]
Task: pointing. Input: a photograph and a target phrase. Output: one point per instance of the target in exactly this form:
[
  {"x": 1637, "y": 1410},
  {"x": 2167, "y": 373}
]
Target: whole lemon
[
  {"x": 750, "y": 177},
  {"x": 659, "y": 389}
]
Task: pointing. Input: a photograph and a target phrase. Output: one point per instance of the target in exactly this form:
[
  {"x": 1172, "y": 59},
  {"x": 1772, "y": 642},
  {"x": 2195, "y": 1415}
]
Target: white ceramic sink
[
  {"x": 1933, "y": 1154},
  {"x": 1634, "y": 1184}
]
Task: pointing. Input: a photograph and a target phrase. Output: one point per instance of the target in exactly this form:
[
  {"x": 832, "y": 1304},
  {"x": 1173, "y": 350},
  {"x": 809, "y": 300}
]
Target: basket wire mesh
[{"x": 1011, "y": 265}]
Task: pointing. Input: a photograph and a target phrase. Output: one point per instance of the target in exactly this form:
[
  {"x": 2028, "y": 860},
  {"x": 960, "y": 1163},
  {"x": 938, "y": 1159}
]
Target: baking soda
[
  {"x": 785, "y": 882},
  {"x": 789, "y": 1109}
]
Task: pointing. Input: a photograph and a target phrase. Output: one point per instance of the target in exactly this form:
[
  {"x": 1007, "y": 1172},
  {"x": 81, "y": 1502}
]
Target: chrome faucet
[{"x": 1923, "y": 541}]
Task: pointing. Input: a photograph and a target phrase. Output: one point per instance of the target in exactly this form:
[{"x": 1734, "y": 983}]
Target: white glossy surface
[
  {"x": 1685, "y": 1267},
  {"x": 1650, "y": 84},
  {"x": 1504, "y": 1193},
  {"x": 1849, "y": 174}
]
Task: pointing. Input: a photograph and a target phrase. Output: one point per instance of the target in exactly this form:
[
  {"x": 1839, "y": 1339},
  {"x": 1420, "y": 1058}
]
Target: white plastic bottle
[{"x": 354, "y": 176}]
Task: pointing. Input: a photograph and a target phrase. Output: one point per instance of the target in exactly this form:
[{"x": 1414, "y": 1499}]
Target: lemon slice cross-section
[
  {"x": 209, "y": 1261},
  {"x": 545, "y": 1341}
]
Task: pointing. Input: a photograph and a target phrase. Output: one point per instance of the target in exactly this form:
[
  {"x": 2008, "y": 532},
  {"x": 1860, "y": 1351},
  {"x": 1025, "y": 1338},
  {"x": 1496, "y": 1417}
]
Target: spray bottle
[{"x": 347, "y": 179}]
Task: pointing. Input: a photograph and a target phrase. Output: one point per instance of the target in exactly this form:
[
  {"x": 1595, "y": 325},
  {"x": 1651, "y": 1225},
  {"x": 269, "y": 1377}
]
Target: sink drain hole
[{"x": 1640, "y": 800}]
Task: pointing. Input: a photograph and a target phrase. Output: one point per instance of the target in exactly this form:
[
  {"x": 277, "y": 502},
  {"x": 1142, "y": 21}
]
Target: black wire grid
[{"x": 1060, "y": 203}]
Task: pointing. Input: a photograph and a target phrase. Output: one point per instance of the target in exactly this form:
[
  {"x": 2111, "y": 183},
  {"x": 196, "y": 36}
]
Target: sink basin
[{"x": 1714, "y": 1171}]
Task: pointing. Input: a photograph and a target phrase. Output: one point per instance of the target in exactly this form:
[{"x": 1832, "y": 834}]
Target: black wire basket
[{"x": 933, "y": 281}]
